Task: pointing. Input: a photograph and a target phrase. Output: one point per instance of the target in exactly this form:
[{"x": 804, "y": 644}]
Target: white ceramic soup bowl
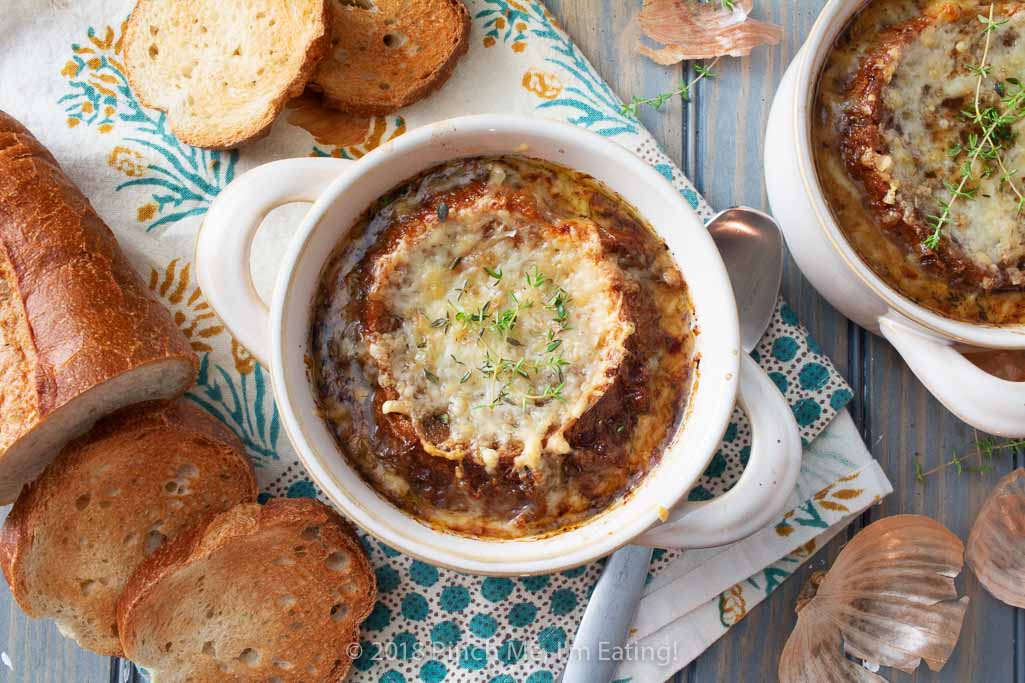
[
  {"x": 341, "y": 190},
  {"x": 930, "y": 344}
]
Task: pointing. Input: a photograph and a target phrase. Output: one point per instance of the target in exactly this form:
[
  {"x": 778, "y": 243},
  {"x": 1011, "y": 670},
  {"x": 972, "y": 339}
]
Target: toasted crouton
[
  {"x": 257, "y": 593},
  {"x": 76, "y": 534},
  {"x": 386, "y": 54},
  {"x": 223, "y": 69}
]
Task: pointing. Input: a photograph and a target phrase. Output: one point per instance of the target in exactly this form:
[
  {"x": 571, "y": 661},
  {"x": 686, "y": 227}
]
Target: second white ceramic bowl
[{"x": 930, "y": 343}]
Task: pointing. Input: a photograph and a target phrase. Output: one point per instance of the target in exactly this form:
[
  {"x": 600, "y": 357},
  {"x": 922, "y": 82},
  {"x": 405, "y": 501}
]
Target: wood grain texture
[{"x": 720, "y": 145}]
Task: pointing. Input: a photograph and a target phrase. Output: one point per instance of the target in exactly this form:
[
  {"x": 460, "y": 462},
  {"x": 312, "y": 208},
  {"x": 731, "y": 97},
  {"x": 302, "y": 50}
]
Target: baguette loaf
[
  {"x": 76, "y": 534},
  {"x": 255, "y": 594},
  {"x": 386, "y": 54},
  {"x": 80, "y": 334},
  {"x": 222, "y": 69}
]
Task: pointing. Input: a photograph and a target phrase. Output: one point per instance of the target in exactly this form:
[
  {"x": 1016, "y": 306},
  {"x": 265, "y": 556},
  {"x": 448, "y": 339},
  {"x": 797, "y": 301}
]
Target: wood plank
[
  {"x": 605, "y": 33},
  {"x": 38, "y": 652},
  {"x": 729, "y": 116},
  {"x": 897, "y": 416},
  {"x": 905, "y": 421}
]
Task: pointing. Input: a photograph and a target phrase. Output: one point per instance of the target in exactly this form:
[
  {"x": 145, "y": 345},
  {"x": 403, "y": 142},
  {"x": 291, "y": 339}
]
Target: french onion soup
[
  {"x": 502, "y": 347},
  {"x": 917, "y": 139}
]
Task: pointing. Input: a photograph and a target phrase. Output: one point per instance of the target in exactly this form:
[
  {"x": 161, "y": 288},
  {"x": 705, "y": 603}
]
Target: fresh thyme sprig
[
  {"x": 684, "y": 90},
  {"x": 985, "y": 448},
  {"x": 986, "y": 143},
  {"x": 518, "y": 372},
  {"x": 550, "y": 391}
]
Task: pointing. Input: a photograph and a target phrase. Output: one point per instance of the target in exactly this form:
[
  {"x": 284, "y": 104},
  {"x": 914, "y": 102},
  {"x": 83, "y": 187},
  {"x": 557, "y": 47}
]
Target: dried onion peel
[
  {"x": 702, "y": 30},
  {"x": 996, "y": 545},
  {"x": 889, "y": 599}
]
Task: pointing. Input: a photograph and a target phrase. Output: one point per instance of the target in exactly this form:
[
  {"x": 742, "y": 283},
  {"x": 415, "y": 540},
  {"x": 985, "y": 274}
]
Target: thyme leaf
[
  {"x": 985, "y": 143},
  {"x": 683, "y": 90}
]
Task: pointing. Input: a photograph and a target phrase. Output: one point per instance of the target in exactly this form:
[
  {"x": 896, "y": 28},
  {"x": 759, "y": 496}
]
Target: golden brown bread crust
[
  {"x": 380, "y": 73},
  {"x": 151, "y": 437},
  {"x": 863, "y": 141},
  {"x": 84, "y": 316},
  {"x": 15, "y": 527},
  {"x": 230, "y": 537},
  {"x": 91, "y": 315}
]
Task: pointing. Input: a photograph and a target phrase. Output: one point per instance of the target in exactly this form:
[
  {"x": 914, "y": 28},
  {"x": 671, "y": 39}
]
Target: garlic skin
[
  {"x": 889, "y": 599},
  {"x": 996, "y": 545},
  {"x": 692, "y": 30}
]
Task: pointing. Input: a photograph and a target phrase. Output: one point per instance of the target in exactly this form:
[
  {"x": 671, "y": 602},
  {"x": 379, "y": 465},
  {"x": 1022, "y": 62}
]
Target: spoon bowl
[{"x": 751, "y": 245}]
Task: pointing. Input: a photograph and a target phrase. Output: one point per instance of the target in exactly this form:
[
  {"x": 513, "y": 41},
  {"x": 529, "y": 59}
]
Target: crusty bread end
[{"x": 80, "y": 333}]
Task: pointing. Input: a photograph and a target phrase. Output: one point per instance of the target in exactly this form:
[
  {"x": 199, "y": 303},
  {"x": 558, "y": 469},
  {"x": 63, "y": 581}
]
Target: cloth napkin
[{"x": 61, "y": 74}]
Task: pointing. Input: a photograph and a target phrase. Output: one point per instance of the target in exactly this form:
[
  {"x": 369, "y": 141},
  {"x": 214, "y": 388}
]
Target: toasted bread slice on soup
[
  {"x": 222, "y": 69},
  {"x": 76, "y": 535},
  {"x": 273, "y": 592},
  {"x": 386, "y": 54}
]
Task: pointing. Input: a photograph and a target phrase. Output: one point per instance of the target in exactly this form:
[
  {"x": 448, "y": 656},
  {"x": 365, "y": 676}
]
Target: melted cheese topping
[
  {"x": 509, "y": 330},
  {"x": 930, "y": 87},
  {"x": 502, "y": 346}
]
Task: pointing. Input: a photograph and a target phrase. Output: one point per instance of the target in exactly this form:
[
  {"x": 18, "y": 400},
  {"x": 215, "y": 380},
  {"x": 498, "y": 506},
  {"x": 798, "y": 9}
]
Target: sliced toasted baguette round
[
  {"x": 76, "y": 534},
  {"x": 386, "y": 54},
  {"x": 222, "y": 69},
  {"x": 80, "y": 333},
  {"x": 257, "y": 593}
]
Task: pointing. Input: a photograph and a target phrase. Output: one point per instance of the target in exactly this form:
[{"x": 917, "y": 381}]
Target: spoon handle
[{"x": 608, "y": 617}]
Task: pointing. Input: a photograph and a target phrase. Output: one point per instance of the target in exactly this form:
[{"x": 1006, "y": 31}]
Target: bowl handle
[
  {"x": 226, "y": 238},
  {"x": 761, "y": 493},
  {"x": 988, "y": 403}
]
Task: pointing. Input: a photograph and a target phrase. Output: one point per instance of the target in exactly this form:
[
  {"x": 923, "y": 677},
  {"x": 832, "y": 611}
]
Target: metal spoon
[{"x": 751, "y": 246}]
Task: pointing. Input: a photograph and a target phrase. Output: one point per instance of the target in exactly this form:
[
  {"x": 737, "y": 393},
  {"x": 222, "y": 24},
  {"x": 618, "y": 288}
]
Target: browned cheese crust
[
  {"x": 863, "y": 145},
  {"x": 889, "y": 112}
]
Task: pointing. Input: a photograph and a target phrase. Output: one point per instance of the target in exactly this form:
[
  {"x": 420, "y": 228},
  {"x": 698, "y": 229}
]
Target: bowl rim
[
  {"x": 810, "y": 60},
  {"x": 713, "y": 401}
]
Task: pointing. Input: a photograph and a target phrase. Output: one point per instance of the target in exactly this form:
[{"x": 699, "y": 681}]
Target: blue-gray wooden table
[{"x": 717, "y": 139}]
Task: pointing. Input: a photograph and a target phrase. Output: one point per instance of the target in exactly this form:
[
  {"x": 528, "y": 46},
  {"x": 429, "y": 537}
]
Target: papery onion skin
[
  {"x": 693, "y": 30},
  {"x": 889, "y": 598},
  {"x": 996, "y": 545}
]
